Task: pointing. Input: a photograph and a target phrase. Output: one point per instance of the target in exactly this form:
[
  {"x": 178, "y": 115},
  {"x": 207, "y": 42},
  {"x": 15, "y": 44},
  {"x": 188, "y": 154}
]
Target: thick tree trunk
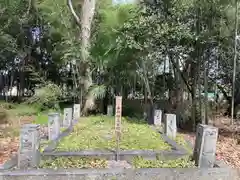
[
  {"x": 89, "y": 99},
  {"x": 88, "y": 10},
  {"x": 84, "y": 22}
]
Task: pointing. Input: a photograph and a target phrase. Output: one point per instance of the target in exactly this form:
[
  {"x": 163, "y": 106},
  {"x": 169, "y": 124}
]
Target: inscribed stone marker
[
  {"x": 205, "y": 146},
  {"x": 158, "y": 117},
  {"x": 67, "y": 117},
  {"x": 110, "y": 110},
  {"x": 170, "y": 125},
  {"x": 53, "y": 126},
  {"x": 29, "y": 147},
  {"x": 76, "y": 111}
]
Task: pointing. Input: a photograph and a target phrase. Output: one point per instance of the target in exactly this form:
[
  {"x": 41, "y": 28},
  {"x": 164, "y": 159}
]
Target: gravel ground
[{"x": 118, "y": 164}]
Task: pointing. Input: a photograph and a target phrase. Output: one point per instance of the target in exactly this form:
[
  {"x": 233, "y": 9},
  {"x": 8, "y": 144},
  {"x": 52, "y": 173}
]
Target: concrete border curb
[
  {"x": 123, "y": 174},
  {"x": 53, "y": 144},
  {"x": 127, "y": 155}
]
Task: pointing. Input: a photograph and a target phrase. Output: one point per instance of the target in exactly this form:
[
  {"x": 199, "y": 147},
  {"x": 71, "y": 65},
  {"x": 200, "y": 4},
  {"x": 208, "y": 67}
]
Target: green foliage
[
  {"x": 185, "y": 162},
  {"x": 46, "y": 97},
  {"x": 98, "y": 91},
  {"x": 132, "y": 110},
  {"x": 97, "y": 132},
  {"x": 74, "y": 162},
  {"x": 127, "y": 42}
]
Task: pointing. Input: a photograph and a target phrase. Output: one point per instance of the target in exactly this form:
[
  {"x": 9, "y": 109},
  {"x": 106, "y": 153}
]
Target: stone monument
[
  {"x": 205, "y": 146},
  {"x": 76, "y": 111},
  {"x": 110, "y": 110},
  {"x": 53, "y": 126},
  {"x": 67, "y": 117},
  {"x": 170, "y": 126},
  {"x": 158, "y": 117},
  {"x": 29, "y": 148}
]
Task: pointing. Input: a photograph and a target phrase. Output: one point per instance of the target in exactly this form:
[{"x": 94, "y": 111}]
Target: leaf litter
[{"x": 228, "y": 144}]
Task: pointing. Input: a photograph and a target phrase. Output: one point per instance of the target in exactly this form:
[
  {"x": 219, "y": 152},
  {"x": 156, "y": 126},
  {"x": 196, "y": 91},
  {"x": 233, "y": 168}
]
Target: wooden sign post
[{"x": 118, "y": 116}]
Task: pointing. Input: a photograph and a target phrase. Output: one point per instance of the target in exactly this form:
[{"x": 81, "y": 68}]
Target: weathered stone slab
[
  {"x": 110, "y": 110},
  {"x": 170, "y": 126},
  {"x": 205, "y": 146},
  {"x": 76, "y": 111},
  {"x": 67, "y": 117},
  {"x": 158, "y": 117},
  {"x": 29, "y": 147},
  {"x": 53, "y": 126}
]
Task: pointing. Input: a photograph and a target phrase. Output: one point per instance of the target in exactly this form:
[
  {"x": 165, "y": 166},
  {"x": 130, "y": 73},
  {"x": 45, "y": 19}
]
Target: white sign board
[{"x": 118, "y": 114}]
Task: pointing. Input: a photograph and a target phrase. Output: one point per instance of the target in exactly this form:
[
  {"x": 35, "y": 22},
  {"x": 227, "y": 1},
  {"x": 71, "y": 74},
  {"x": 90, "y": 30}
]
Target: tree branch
[{"x": 76, "y": 17}]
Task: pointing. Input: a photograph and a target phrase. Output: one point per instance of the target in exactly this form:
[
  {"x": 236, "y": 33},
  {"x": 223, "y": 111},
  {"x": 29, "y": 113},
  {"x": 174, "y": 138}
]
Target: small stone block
[
  {"x": 170, "y": 126},
  {"x": 205, "y": 146},
  {"x": 110, "y": 110},
  {"x": 67, "y": 117},
  {"x": 158, "y": 117},
  {"x": 29, "y": 147},
  {"x": 53, "y": 126},
  {"x": 76, "y": 111}
]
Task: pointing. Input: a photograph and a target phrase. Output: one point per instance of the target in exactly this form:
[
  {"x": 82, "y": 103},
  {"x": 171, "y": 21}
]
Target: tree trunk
[
  {"x": 84, "y": 23},
  {"x": 89, "y": 100},
  {"x": 205, "y": 93},
  {"x": 178, "y": 94},
  {"x": 88, "y": 10},
  {"x": 234, "y": 61}
]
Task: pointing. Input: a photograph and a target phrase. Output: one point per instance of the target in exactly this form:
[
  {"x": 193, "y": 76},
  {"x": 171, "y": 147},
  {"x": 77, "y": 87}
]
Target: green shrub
[{"x": 46, "y": 97}]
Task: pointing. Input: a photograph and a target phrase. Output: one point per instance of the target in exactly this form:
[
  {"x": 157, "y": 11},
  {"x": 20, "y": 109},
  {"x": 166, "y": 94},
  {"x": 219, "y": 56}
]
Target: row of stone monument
[
  {"x": 205, "y": 143},
  {"x": 206, "y": 137},
  {"x": 29, "y": 148},
  {"x": 170, "y": 121}
]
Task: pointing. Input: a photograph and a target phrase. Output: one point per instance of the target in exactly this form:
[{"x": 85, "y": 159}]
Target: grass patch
[
  {"x": 74, "y": 162},
  {"x": 97, "y": 132},
  {"x": 185, "y": 162},
  {"x": 43, "y": 145},
  {"x": 62, "y": 129},
  {"x": 22, "y": 110},
  {"x": 41, "y": 119}
]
